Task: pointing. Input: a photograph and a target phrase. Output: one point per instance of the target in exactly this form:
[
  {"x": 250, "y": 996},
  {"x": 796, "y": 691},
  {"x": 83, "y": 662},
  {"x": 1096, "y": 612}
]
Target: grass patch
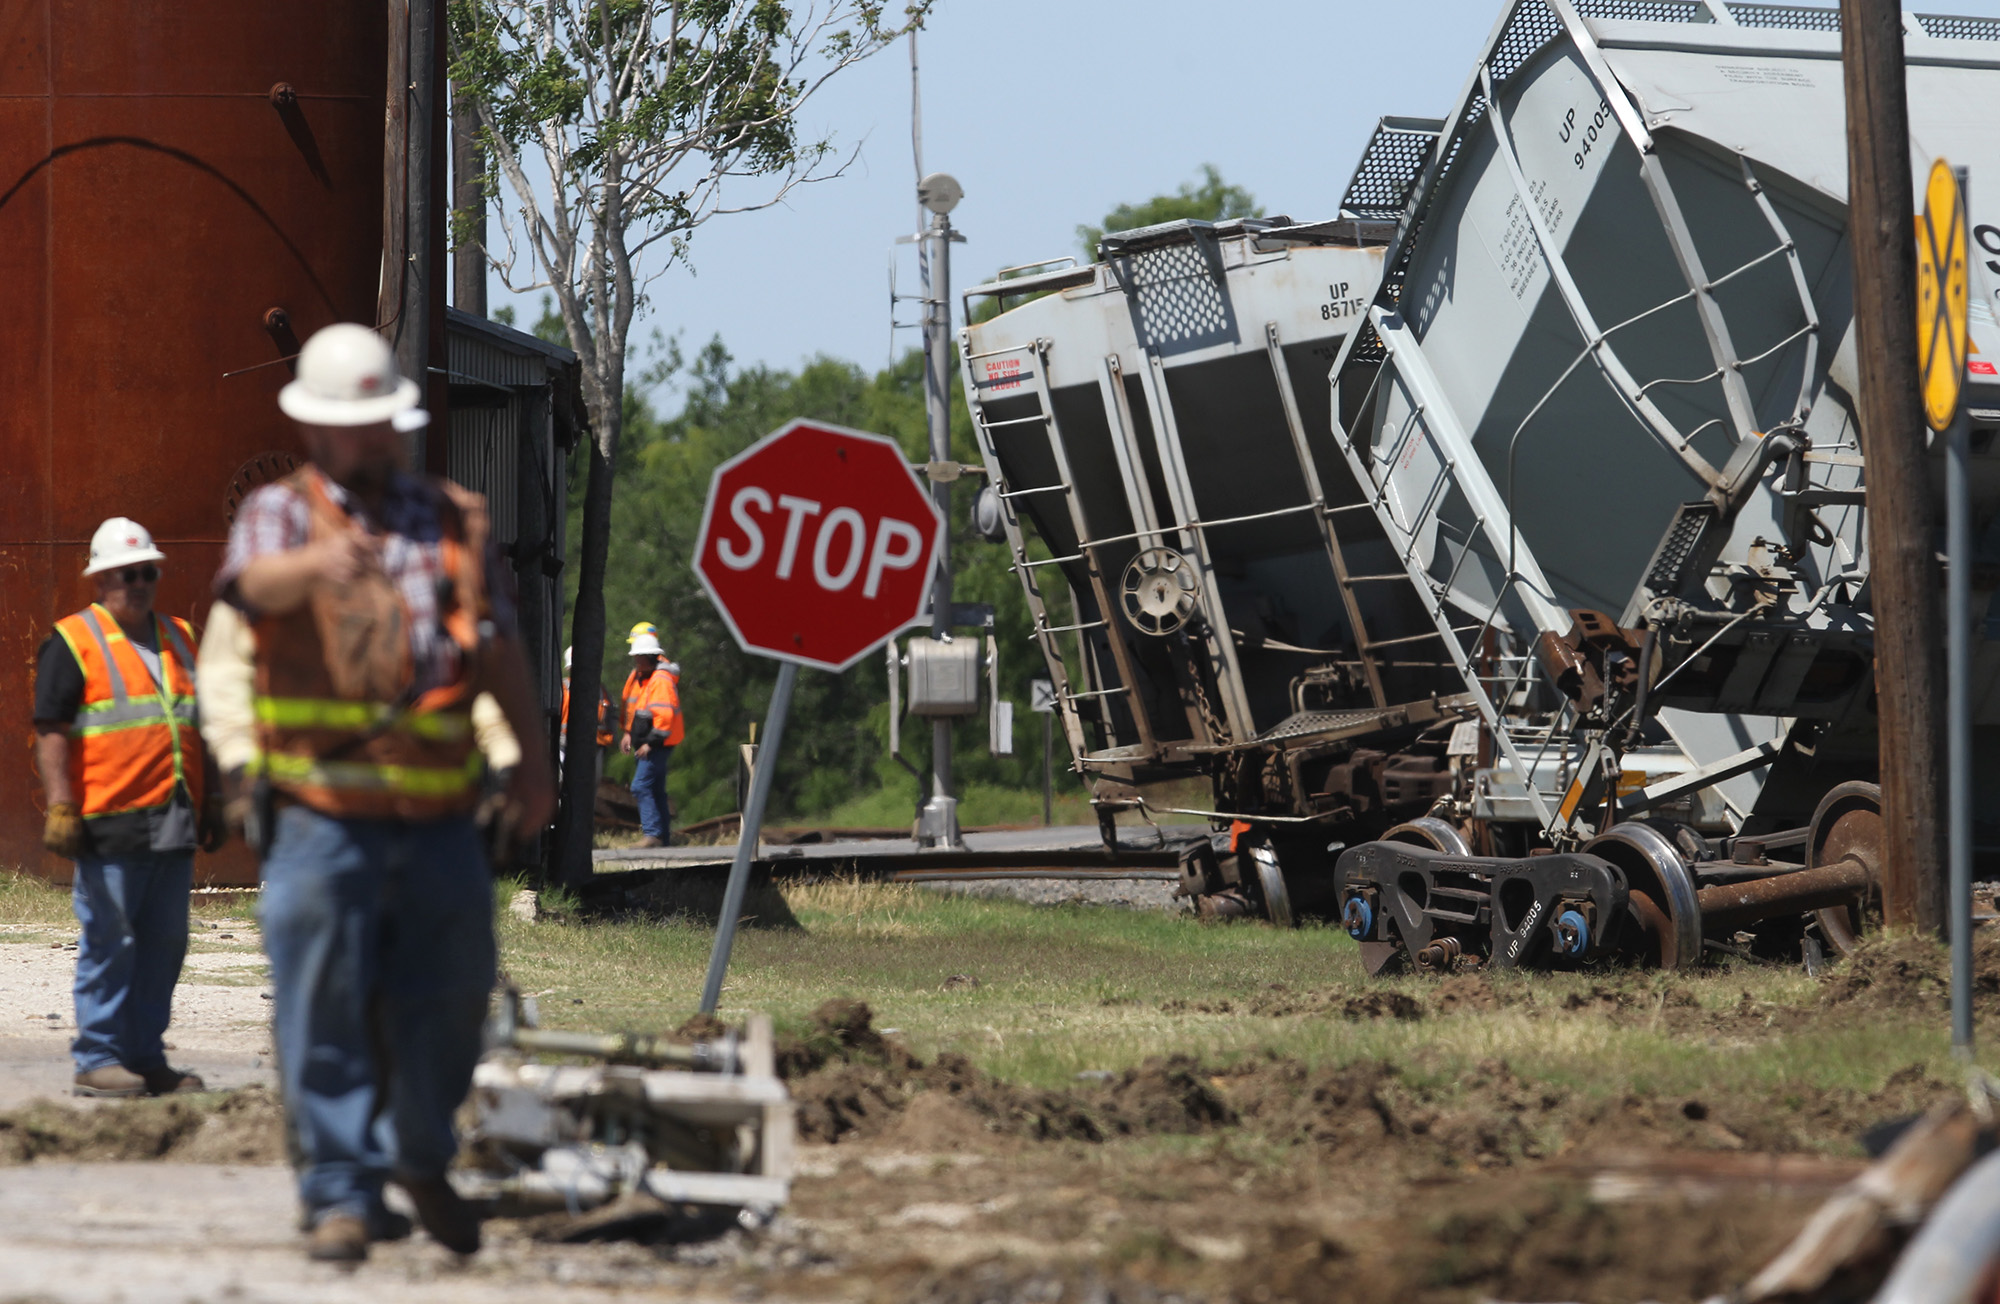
[
  {"x": 28, "y": 903},
  {"x": 1064, "y": 990}
]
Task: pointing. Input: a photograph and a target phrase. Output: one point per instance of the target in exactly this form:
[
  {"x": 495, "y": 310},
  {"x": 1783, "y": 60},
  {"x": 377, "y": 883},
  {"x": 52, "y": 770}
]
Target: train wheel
[
  {"x": 1848, "y": 826},
  {"x": 1271, "y": 882},
  {"x": 1662, "y": 891},
  {"x": 1430, "y": 831}
]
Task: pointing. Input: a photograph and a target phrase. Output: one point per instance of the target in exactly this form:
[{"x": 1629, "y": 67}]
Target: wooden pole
[{"x": 1904, "y": 576}]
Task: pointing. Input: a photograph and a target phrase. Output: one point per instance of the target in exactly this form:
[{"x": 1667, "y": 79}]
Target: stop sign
[{"x": 817, "y": 544}]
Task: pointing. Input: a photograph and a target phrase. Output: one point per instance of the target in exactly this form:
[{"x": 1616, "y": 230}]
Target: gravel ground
[
  {"x": 220, "y": 1028},
  {"x": 1132, "y": 893}
]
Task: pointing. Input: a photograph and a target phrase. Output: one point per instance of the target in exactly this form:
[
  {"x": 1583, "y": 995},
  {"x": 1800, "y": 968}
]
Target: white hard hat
[
  {"x": 646, "y": 645},
  {"x": 121, "y": 542},
  {"x": 566, "y": 654},
  {"x": 347, "y": 377}
]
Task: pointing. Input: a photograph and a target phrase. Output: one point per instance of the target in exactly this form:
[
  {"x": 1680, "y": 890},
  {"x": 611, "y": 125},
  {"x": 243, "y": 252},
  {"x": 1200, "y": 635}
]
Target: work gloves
[
  {"x": 62, "y": 829},
  {"x": 212, "y": 830},
  {"x": 498, "y": 827}
]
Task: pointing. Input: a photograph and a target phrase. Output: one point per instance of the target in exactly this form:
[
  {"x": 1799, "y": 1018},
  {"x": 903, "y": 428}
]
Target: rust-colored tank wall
[{"x": 154, "y": 205}]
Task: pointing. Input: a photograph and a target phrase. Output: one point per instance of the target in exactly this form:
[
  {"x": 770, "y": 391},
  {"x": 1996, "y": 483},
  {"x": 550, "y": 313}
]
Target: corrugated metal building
[{"x": 516, "y": 412}]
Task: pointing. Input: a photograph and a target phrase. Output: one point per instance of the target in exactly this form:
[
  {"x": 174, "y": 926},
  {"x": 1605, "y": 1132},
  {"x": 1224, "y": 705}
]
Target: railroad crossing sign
[
  {"x": 817, "y": 544},
  {"x": 1942, "y": 295},
  {"x": 1041, "y": 695}
]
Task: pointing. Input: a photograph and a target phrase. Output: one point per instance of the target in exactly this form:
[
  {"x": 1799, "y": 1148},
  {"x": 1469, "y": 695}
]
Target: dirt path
[
  {"x": 221, "y": 1025},
  {"x": 181, "y": 1233}
]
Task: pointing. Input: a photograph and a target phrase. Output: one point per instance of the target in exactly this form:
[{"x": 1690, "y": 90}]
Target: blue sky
[{"x": 1051, "y": 112}]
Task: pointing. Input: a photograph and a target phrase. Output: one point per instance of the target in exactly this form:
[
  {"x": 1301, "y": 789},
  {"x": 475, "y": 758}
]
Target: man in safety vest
[
  {"x": 604, "y": 736},
  {"x": 652, "y": 729},
  {"x": 371, "y": 597},
  {"x": 131, "y": 793}
]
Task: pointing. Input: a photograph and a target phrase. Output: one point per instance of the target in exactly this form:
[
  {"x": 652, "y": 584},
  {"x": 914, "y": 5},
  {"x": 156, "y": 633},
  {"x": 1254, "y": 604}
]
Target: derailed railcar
[
  {"x": 1210, "y": 589},
  {"x": 1602, "y": 403}
]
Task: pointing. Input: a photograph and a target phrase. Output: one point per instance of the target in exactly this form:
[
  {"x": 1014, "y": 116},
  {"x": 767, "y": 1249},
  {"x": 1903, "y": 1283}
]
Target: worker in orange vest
[
  {"x": 604, "y": 735},
  {"x": 371, "y": 597},
  {"x": 653, "y": 727},
  {"x": 131, "y": 794}
]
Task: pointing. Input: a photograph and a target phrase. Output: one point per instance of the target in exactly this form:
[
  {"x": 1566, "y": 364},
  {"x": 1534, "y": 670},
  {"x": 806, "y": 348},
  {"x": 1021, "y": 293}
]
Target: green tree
[
  {"x": 836, "y": 747},
  {"x": 1210, "y": 199},
  {"x": 617, "y": 128}
]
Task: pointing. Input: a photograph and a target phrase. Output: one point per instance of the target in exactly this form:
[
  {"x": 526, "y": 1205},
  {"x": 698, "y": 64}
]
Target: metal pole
[
  {"x": 746, "y": 840},
  {"x": 940, "y": 822},
  {"x": 1958, "y": 672},
  {"x": 1048, "y": 768},
  {"x": 1958, "y": 655},
  {"x": 1908, "y": 637}
]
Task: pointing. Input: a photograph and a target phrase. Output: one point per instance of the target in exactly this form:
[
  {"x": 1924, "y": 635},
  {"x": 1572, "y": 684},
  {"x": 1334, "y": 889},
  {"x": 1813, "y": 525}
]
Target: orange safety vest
[
  {"x": 604, "y": 738},
  {"x": 133, "y": 741},
  {"x": 661, "y": 694},
  {"x": 337, "y": 729}
]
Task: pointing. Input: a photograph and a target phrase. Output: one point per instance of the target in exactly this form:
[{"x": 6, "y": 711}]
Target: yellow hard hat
[{"x": 644, "y": 629}]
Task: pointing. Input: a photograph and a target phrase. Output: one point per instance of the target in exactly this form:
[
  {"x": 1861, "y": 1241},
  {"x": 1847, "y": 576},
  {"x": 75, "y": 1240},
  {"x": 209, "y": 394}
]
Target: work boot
[
  {"x": 164, "y": 1081},
  {"x": 112, "y": 1082},
  {"x": 338, "y": 1237},
  {"x": 649, "y": 841},
  {"x": 387, "y": 1225},
  {"x": 451, "y": 1222}
]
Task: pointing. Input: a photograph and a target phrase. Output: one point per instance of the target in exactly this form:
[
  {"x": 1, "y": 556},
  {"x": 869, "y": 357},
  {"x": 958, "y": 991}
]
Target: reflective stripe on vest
[
  {"x": 361, "y": 717},
  {"x": 363, "y": 777},
  {"x": 115, "y": 774}
]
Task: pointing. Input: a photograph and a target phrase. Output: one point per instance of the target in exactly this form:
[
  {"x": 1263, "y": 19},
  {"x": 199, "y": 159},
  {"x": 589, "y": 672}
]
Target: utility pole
[
  {"x": 937, "y": 194},
  {"x": 1903, "y": 569}
]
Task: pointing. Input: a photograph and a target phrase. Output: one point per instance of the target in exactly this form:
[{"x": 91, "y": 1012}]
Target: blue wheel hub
[
  {"x": 1572, "y": 933},
  {"x": 1360, "y": 920}
]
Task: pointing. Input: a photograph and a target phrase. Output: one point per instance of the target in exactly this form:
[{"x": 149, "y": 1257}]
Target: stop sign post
[{"x": 817, "y": 544}]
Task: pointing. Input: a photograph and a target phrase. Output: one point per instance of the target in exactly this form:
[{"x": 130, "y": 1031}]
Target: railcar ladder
[
  {"x": 989, "y": 432},
  {"x": 1429, "y": 412}
]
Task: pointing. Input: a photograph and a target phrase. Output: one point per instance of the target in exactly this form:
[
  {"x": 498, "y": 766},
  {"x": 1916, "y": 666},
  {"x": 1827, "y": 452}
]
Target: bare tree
[{"x": 619, "y": 127}]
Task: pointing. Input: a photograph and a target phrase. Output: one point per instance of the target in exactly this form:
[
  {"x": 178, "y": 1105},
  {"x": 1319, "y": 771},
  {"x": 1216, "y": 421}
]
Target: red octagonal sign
[{"x": 817, "y": 544}]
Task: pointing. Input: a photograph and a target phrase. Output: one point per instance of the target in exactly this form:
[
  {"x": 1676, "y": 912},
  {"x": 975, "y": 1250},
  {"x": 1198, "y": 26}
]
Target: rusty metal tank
[{"x": 169, "y": 175}]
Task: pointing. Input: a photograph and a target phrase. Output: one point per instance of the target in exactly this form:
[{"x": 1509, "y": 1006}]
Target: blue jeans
[
  {"x": 380, "y": 936},
  {"x": 649, "y": 786},
  {"x": 134, "y": 913}
]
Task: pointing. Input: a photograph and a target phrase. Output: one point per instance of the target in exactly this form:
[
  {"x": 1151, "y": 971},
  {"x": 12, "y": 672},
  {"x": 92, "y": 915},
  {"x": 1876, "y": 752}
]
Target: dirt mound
[
  {"x": 1381, "y": 1005},
  {"x": 243, "y": 1127},
  {"x": 1369, "y": 1110},
  {"x": 701, "y": 1027},
  {"x": 848, "y": 1081},
  {"x": 842, "y": 1031},
  {"x": 1170, "y": 1095},
  {"x": 1909, "y": 972},
  {"x": 1465, "y": 993},
  {"x": 1277, "y": 1001}
]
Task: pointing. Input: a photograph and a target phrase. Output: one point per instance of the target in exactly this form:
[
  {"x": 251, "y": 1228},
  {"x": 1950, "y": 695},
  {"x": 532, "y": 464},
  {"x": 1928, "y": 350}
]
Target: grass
[
  {"x": 31, "y": 907},
  {"x": 1069, "y": 989}
]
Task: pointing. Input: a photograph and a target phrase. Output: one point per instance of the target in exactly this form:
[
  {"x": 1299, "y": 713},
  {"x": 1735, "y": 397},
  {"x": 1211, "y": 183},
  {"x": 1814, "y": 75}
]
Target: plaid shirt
[{"x": 276, "y": 519}]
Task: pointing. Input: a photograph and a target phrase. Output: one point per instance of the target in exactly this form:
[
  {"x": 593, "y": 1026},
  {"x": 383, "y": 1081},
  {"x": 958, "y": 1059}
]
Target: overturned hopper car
[
  {"x": 1602, "y": 403},
  {"x": 1210, "y": 589}
]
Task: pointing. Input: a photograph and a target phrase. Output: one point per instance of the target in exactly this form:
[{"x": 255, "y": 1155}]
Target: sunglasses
[{"x": 146, "y": 574}]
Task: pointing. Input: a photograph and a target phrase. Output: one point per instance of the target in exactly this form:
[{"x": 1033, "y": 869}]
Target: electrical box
[{"x": 944, "y": 676}]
